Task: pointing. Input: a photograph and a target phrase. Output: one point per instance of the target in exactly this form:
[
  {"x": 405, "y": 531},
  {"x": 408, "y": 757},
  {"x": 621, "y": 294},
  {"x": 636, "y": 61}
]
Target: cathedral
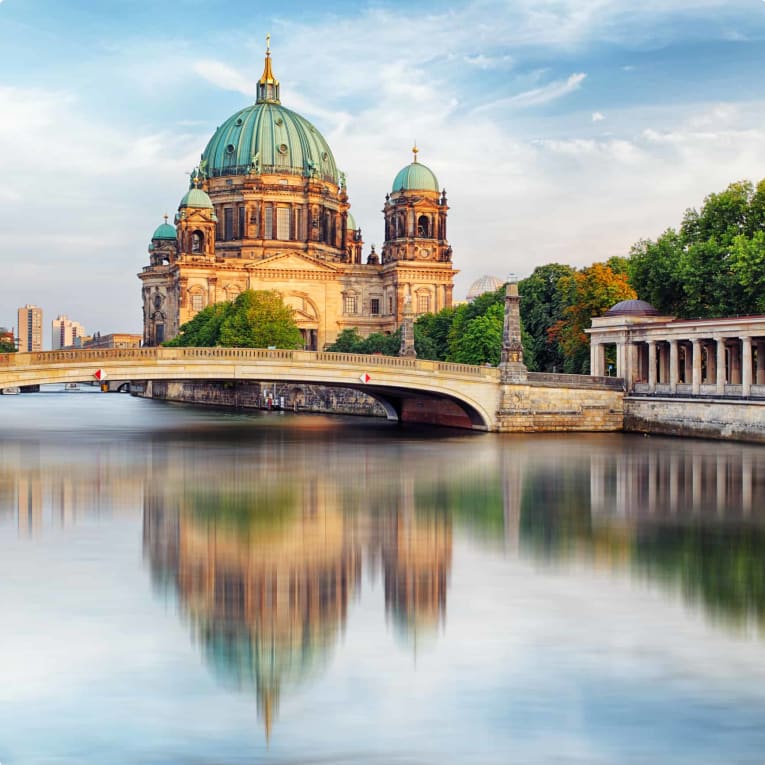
[{"x": 267, "y": 209}]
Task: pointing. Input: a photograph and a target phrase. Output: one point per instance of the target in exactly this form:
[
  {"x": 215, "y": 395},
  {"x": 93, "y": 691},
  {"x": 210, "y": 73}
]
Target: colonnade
[{"x": 676, "y": 358}]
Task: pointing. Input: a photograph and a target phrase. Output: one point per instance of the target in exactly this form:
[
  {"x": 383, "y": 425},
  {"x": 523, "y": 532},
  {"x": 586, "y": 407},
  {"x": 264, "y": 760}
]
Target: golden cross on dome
[
  {"x": 415, "y": 151},
  {"x": 268, "y": 44}
]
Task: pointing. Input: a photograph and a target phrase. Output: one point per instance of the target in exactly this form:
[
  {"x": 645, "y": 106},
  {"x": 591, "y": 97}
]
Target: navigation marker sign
[
  {"x": 100, "y": 374},
  {"x": 365, "y": 378}
]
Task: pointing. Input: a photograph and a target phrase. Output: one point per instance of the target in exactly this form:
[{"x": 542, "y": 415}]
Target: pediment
[{"x": 292, "y": 261}]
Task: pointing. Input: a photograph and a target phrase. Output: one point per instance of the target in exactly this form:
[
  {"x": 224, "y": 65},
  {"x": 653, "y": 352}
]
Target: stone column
[
  {"x": 594, "y": 368},
  {"x": 652, "y": 366},
  {"x": 720, "y": 365},
  {"x": 407, "y": 331},
  {"x": 746, "y": 366},
  {"x": 511, "y": 366},
  {"x": 760, "y": 362},
  {"x": 734, "y": 354},
  {"x": 673, "y": 366},
  {"x": 696, "y": 373}
]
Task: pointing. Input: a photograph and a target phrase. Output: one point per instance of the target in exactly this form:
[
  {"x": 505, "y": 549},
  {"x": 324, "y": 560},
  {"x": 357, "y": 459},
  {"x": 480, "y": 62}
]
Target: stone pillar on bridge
[
  {"x": 407, "y": 330},
  {"x": 511, "y": 366},
  {"x": 674, "y": 369}
]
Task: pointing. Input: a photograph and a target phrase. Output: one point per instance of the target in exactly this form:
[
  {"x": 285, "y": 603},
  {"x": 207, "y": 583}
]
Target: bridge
[{"x": 410, "y": 390}]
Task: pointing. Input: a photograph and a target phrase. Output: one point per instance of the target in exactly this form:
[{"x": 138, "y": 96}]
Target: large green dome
[
  {"x": 415, "y": 177},
  {"x": 269, "y": 138}
]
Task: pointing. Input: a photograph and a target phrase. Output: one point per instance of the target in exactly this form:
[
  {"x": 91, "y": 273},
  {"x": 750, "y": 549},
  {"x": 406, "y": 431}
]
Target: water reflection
[{"x": 266, "y": 558}]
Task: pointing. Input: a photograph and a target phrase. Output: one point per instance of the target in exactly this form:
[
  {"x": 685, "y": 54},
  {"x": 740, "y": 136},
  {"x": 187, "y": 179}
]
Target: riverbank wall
[
  {"x": 731, "y": 420},
  {"x": 254, "y": 395}
]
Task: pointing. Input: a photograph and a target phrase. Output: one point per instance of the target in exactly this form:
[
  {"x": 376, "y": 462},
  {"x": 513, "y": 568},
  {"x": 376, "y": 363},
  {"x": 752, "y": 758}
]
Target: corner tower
[{"x": 416, "y": 256}]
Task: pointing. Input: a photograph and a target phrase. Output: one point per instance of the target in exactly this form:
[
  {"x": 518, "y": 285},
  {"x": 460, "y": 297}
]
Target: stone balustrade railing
[{"x": 140, "y": 355}]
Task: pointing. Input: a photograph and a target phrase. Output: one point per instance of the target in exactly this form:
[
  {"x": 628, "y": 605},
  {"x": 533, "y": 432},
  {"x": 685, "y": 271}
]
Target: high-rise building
[
  {"x": 64, "y": 332},
  {"x": 268, "y": 209},
  {"x": 30, "y": 329}
]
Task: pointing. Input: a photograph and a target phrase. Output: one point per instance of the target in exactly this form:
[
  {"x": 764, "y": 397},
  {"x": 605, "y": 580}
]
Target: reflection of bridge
[{"x": 411, "y": 390}]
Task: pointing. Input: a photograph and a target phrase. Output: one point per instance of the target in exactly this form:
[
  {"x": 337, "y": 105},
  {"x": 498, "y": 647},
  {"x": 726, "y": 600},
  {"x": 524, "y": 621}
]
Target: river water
[{"x": 195, "y": 586}]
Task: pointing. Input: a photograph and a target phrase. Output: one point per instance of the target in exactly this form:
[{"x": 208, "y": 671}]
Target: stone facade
[
  {"x": 253, "y": 395},
  {"x": 268, "y": 210},
  {"x": 559, "y": 403}
]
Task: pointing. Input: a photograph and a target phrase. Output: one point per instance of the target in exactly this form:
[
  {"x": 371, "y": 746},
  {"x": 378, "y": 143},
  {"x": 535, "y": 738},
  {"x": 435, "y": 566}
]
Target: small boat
[
  {"x": 13, "y": 390},
  {"x": 71, "y": 386}
]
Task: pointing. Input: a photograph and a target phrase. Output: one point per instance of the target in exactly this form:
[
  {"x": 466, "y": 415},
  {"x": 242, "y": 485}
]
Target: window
[
  {"x": 228, "y": 224},
  {"x": 197, "y": 301},
  {"x": 197, "y": 242},
  {"x": 423, "y": 226},
  {"x": 268, "y": 228},
  {"x": 375, "y": 306},
  {"x": 423, "y": 303},
  {"x": 159, "y": 334},
  {"x": 298, "y": 232},
  {"x": 242, "y": 222},
  {"x": 390, "y": 304},
  {"x": 350, "y": 304},
  {"x": 283, "y": 223}
]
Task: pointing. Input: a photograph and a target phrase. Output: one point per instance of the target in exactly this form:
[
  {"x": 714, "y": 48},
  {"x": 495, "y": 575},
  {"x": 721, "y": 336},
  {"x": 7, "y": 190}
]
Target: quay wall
[
  {"x": 733, "y": 420},
  {"x": 550, "y": 404},
  {"x": 250, "y": 395}
]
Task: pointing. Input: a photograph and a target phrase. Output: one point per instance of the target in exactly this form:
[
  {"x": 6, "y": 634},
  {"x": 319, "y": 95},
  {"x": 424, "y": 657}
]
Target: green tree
[
  {"x": 256, "y": 319},
  {"x": 7, "y": 347},
  {"x": 748, "y": 266},
  {"x": 542, "y": 305},
  {"x": 480, "y": 340}
]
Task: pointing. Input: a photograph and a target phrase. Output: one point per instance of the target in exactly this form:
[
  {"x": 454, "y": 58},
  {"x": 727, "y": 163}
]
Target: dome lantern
[{"x": 268, "y": 85}]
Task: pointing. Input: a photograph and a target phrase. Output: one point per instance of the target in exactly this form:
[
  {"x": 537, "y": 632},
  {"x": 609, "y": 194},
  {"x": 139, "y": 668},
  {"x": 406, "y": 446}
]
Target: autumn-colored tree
[{"x": 590, "y": 292}]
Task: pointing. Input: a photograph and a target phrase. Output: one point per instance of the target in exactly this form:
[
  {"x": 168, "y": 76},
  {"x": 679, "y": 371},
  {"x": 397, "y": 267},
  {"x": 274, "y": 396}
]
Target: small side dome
[
  {"x": 165, "y": 231},
  {"x": 483, "y": 285},
  {"x": 352, "y": 223},
  {"x": 632, "y": 308},
  {"x": 195, "y": 197}
]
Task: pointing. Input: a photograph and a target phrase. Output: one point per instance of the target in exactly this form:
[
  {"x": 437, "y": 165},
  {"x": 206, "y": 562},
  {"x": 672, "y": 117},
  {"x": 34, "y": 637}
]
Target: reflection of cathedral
[
  {"x": 268, "y": 209},
  {"x": 417, "y": 557},
  {"x": 266, "y": 603},
  {"x": 265, "y": 576}
]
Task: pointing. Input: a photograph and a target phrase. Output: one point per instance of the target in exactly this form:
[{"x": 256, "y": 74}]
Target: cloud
[
  {"x": 538, "y": 96},
  {"x": 482, "y": 61},
  {"x": 224, "y": 76},
  {"x": 598, "y": 116}
]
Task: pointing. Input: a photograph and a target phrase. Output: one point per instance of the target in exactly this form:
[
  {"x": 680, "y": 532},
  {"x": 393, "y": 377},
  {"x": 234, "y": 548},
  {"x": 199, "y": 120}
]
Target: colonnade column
[
  {"x": 696, "y": 375},
  {"x": 746, "y": 366},
  {"x": 673, "y": 366},
  {"x": 720, "y": 364},
  {"x": 652, "y": 366},
  {"x": 595, "y": 368}
]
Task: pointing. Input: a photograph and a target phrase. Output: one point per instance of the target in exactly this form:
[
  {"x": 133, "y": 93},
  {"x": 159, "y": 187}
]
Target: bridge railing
[
  {"x": 553, "y": 379},
  {"x": 105, "y": 355}
]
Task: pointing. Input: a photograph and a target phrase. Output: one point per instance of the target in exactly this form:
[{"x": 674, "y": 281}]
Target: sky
[{"x": 563, "y": 130}]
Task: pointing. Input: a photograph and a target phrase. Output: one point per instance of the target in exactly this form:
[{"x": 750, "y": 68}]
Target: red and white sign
[
  {"x": 365, "y": 378},
  {"x": 100, "y": 374}
]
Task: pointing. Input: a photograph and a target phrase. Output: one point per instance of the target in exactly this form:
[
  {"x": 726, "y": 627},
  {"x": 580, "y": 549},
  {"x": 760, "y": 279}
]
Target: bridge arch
[{"x": 411, "y": 390}]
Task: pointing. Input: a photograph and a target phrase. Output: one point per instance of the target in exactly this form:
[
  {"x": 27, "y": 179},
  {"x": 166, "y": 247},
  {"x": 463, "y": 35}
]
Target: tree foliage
[
  {"x": 711, "y": 266},
  {"x": 589, "y": 292},
  {"x": 256, "y": 319},
  {"x": 7, "y": 346}
]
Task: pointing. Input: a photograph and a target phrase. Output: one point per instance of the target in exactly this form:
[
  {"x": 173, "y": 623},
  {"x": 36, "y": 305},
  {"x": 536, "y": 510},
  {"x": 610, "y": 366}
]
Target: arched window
[
  {"x": 197, "y": 242},
  {"x": 423, "y": 226}
]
